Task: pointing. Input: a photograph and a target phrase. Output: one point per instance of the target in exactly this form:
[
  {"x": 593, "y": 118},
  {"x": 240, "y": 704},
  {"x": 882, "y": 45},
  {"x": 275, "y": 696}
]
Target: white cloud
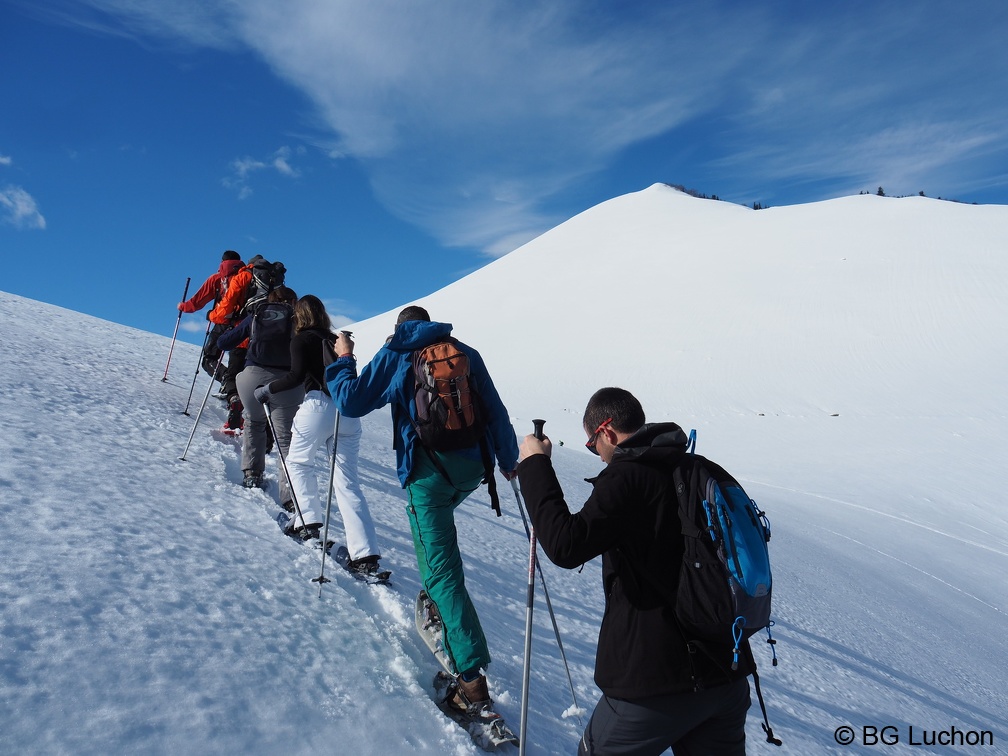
[
  {"x": 242, "y": 169},
  {"x": 6, "y": 160},
  {"x": 19, "y": 209},
  {"x": 455, "y": 108},
  {"x": 192, "y": 325}
]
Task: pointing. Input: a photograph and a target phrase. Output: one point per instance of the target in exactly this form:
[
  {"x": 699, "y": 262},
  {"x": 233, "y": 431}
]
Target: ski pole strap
[{"x": 766, "y": 722}]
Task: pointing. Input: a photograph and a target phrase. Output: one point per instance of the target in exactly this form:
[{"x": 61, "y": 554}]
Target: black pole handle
[{"x": 538, "y": 432}]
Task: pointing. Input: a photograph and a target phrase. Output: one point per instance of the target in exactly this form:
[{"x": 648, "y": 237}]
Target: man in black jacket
[{"x": 659, "y": 692}]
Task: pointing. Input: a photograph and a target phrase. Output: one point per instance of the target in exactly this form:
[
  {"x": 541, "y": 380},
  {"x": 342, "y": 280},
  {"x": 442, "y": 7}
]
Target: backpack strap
[
  {"x": 488, "y": 476},
  {"x": 488, "y": 471}
]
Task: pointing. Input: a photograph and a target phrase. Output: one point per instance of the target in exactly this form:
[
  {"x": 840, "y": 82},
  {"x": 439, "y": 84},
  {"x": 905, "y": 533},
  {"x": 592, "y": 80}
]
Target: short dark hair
[
  {"x": 619, "y": 404},
  {"x": 230, "y": 254},
  {"x": 413, "y": 312}
]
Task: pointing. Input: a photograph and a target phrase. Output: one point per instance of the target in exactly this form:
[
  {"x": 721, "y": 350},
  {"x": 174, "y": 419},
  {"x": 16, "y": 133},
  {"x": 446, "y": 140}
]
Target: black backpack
[
  {"x": 328, "y": 340},
  {"x": 266, "y": 276},
  {"x": 269, "y": 342}
]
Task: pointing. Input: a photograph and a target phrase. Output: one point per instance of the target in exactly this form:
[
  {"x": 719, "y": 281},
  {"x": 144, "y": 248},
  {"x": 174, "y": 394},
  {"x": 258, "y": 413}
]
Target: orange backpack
[{"x": 449, "y": 414}]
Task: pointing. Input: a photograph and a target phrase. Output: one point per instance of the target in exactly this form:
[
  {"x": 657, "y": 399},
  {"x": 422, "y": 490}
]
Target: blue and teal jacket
[{"x": 388, "y": 379}]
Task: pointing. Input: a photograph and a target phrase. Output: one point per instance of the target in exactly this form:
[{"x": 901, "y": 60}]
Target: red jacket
[{"x": 213, "y": 288}]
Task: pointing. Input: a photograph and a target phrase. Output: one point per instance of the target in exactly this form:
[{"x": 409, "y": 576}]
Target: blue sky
[{"x": 384, "y": 149}]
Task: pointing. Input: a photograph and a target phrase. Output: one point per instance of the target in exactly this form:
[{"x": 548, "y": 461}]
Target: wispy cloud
[
  {"x": 472, "y": 119},
  {"x": 341, "y": 312},
  {"x": 6, "y": 160},
  {"x": 19, "y": 209},
  {"x": 242, "y": 169},
  {"x": 192, "y": 325}
]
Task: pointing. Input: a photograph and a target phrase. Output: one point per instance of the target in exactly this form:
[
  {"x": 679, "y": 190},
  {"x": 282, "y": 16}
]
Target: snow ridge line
[{"x": 918, "y": 569}]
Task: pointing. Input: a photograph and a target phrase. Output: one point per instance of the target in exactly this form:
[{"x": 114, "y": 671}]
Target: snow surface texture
[{"x": 845, "y": 360}]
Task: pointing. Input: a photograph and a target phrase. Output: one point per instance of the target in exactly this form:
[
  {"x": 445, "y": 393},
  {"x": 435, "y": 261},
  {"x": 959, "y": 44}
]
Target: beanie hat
[{"x": 230, "y": 255}]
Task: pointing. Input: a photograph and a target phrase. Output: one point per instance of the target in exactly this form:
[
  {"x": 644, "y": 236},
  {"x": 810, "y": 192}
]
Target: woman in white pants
[{"x": 313, "y": 426}]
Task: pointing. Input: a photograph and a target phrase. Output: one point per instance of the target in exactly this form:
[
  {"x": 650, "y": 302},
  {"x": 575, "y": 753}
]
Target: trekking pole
[
  {"x": 198, "y": 414},
  {"x": 171, "y": 349},
  {"x": 283, "y": 464},
  {"x": 529, "y": 605},
  {"x": 199, "y": 361},
  {"x": 549, "y": 604},
  {"x": 328, "y": 507}
]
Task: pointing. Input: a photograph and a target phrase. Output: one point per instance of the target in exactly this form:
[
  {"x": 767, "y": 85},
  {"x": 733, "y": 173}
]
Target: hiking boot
[
  {"x": 365, "y": 565},
  {"x": 253, "y": 480},
  {"x": 288, "y": 506},
  {"x": 304, "y": 533},
  {"x": 470, "y": 696},
  {"x": 234, "y": 419}
]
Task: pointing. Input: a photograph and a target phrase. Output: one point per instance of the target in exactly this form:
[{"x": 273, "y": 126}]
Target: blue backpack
[{"x": 725, "y": 583}]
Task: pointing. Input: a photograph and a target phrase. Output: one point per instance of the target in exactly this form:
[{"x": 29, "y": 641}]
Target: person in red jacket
[{"x": 213, "y": 290}]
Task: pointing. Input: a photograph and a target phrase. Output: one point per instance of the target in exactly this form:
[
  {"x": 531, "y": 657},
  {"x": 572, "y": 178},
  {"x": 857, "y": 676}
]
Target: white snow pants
[{"x": 313, "y": 426}]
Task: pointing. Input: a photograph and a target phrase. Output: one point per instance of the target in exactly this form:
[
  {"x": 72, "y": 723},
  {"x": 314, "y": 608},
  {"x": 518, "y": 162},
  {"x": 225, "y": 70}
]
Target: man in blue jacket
[{"x": 435, "y": 482}]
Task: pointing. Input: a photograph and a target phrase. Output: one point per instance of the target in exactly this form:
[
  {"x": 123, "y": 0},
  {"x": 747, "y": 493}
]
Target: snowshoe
[
  {"x": 254, "y": 480},
  {"x": 485, "y": 726},
  {"x": 365, "y": 569}
]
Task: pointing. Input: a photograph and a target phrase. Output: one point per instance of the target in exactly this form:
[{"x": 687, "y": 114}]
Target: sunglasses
[{"x": 590, "y": 443}]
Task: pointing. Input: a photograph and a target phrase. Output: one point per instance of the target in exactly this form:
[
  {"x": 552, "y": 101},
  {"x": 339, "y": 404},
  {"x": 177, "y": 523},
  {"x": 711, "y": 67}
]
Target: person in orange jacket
[
  {"x": 228, "y": 310},
  {"x": 227, "y": 313},
  {"x": 213, "y": 290}
]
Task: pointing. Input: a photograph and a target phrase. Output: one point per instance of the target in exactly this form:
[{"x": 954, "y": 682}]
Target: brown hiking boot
[{"x": 471, "y": 694}]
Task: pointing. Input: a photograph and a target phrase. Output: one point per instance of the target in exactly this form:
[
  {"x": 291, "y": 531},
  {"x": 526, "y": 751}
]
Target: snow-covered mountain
[{"x": 844, "y": 359}]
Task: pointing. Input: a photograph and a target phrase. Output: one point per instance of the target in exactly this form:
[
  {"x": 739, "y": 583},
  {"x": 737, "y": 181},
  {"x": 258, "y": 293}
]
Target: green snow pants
[{"x": 431, "y": 510}]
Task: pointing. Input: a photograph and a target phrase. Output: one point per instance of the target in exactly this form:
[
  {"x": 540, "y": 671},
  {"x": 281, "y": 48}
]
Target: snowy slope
[{"x": 151, "y": 605}]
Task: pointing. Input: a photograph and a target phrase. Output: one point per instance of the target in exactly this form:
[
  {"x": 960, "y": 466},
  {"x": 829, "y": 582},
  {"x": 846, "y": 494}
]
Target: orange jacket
[{"x": 228, "y": 310}]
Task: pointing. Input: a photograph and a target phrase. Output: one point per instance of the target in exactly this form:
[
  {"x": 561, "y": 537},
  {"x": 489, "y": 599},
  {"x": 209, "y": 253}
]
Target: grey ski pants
[
  {"x": 283, "y": 407},
  {"x": 710, "y": 722}
]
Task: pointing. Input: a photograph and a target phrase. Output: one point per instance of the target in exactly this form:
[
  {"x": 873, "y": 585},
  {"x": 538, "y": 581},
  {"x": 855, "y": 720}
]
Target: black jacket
[
  {"x": 305, "y": 364},
  {"x": 632, "y": 520}
]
